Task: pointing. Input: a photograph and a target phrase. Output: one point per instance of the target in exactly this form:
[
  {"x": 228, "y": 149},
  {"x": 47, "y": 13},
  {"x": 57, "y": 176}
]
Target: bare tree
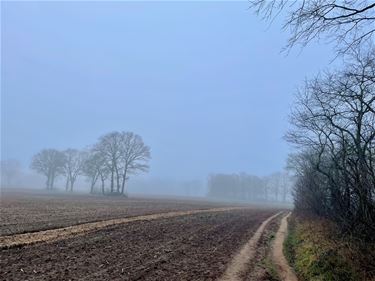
[
  {"x": 334, "y": 119},
  {"x": 49, "y": 162},
  {"x": 74, "y": 160},
  {"x": 310, "y": 188},
  {"x": 109, "y": 147},
  {"x": 95, "y": 168},
  {"x": 134, "y": 156},
  {"x": 91, "y": 168},
  {"x": 350, "y": 23},
  {"x": 122, "y": 154}
]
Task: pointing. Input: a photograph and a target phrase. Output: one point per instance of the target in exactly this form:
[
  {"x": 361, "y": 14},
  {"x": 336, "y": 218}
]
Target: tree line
[
  {"x": 242, "y": 186},
  {"x": 334, "y": 130},
  {"x": 110, "y": 161},
  {"x": 333, "y": 120}
]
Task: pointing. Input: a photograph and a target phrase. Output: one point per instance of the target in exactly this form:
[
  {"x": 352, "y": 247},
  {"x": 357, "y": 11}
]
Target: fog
[{"x": 205, "y": 85}]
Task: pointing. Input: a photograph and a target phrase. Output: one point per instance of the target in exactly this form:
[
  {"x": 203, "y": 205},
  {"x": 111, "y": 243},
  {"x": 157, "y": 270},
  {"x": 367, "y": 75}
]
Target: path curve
[
  {"x": 18, "y": 240},
  {"x": 282, "y": 266},
  {"x": 238, "y": 264}
]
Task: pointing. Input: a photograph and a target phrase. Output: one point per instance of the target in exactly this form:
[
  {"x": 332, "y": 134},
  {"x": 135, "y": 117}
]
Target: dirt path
[
  {"x": 65, "y": 232},
  {"x": 261, "y": 268},
  {"x": 284, "y": 270},
  {"x": 238, "y": 264}
]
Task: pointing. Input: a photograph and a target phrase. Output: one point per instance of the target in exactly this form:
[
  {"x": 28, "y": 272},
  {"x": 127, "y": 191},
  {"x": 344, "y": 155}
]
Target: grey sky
[{"x": 203, "y": 83}]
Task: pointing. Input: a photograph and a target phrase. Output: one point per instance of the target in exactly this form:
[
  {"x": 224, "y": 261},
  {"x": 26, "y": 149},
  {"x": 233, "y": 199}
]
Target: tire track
[
  {"x": 238, "y": 264},
  {"x": 19, "y": 240},
  {"x": 282, "y": 266}
]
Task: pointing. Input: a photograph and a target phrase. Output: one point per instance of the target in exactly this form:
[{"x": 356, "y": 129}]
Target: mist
[
  {"x": 187, "y": 140},
  {"x": 204, "y": 84}
]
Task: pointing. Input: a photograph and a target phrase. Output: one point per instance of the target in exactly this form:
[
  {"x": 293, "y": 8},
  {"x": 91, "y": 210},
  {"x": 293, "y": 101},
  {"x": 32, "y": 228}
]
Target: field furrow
[{"x": 198, "y": 246}]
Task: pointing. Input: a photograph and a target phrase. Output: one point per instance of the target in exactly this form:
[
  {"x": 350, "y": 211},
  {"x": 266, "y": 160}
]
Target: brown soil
[
  {"x": 18, "y": 240},
  {"x": 28, "y": 212},
  {"x": 194, "y": 247}
]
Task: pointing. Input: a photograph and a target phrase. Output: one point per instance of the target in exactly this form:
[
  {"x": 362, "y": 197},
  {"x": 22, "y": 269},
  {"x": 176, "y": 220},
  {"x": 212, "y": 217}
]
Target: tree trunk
[
  {"x": 103, "y": 186},
  {"x": 117, "y": 181},
  {"x": 71, "y": 185},
  {"x": 48, "y": 181},
  {"x": 123, "y": 181},
  {"x": 92, "y": 187},
  {"x": 52, "y": 181},
  {"x": 93, "y": 182},
  {"x": 123, "y": 187},
  {"x": 112, "y": 179}
]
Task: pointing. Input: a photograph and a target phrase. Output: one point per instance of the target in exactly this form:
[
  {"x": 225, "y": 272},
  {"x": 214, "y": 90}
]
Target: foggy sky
[{"x": 204, "y": 83}]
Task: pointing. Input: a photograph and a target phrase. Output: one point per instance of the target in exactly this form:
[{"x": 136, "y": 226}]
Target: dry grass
[{"x": 318, "y": 251}]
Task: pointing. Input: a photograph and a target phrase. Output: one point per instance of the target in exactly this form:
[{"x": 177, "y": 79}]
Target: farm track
[
  {"x": 197, "y": 246},
  {"x": 282, "y": 266},
  {"x": 18, "y": 240},
  {"x": 238, "y": 265},
  {"x": 260, "y": 268}
]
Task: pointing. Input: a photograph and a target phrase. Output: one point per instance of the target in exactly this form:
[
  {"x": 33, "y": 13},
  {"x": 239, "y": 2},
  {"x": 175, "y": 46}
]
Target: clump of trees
[
  {"x": 110, "y": 161},
  {"x": 114, "y": 158},
  {"x": 242, "y": 186}
]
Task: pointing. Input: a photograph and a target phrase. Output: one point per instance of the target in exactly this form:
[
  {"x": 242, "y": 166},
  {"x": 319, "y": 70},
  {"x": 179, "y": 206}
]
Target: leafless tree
[
  {"x": 95, "y": 168},
  {"x": 109, "y": 147},
  {"x": 49, "y": 162},
  {"x": 74, "y": 160},
  {"x": 310, "y": 188},
  {"x": 123, "y": 154},
  {"x": 349, "y": 23},
  {"x": 134, "y": 156},
  {"x": 334, "y": 119}
]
